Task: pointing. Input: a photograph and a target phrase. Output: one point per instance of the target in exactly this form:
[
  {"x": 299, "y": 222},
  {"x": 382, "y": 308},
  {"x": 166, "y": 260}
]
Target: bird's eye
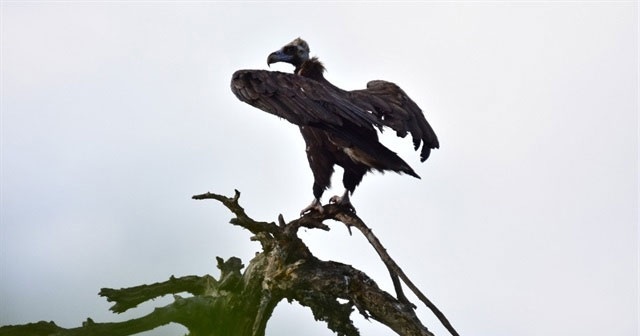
[{"x": 289, "y": 50}]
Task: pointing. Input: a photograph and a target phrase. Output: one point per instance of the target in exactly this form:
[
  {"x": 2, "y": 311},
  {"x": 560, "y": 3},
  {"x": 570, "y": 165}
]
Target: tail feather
[
  {"x": 364, "y": 147},
  {"x": 386, "y": 159}
]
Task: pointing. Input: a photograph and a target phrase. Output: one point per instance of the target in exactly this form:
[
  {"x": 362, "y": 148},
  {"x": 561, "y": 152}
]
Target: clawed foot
[
  {"x": 343, "y": 201},
  {"x": 315, "y": 205}
]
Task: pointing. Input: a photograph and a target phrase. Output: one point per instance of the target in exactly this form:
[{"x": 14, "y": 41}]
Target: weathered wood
[{"x": 240, "y": 303}]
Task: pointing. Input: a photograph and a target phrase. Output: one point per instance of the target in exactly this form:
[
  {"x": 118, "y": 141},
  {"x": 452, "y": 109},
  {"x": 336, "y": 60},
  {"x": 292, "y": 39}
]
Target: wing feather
[
  {"x": 300, "y": 100},
  {"x": 304, "y": 101},
  {"x": 397, "y": 111}
]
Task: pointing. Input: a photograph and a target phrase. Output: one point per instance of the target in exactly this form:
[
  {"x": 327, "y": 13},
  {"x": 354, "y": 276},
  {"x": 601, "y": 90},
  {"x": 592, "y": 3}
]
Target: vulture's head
[{"x": 295, "y": 53}]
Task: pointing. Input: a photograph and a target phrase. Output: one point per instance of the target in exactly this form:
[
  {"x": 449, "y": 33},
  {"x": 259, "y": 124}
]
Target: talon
[
  {"x": 343, "y": 201},
  {"x": 315, "y": 205}
]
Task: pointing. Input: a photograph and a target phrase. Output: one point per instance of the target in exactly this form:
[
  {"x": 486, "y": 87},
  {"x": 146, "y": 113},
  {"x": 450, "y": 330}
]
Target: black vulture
[{"x": 339, "y": 127}]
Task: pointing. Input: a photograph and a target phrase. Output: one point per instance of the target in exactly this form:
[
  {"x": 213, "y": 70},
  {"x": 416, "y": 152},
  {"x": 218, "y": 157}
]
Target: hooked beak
[{"x": 278, "y": 56}]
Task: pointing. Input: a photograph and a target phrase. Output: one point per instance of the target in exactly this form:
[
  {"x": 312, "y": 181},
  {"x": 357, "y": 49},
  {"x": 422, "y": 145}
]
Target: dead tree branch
[{"x": 241, "y": 303}]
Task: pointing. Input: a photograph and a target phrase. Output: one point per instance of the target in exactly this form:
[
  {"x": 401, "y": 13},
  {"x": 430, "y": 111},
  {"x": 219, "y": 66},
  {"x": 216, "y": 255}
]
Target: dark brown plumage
[{"x": 338, "y": 126}]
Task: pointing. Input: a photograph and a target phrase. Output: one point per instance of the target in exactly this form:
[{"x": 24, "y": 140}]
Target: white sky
[{"x": 524, "y": 222}]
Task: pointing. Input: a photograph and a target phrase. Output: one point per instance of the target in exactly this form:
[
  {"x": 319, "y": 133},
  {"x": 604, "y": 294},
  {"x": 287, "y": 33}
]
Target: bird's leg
[
  {"x": 315, "y": 205},
  {"x": 340, "y": 199},
  {"x": 343, "y": 201}
]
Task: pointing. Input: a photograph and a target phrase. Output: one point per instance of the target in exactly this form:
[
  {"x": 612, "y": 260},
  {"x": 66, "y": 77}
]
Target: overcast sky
[{"x": 524, "y": 222}]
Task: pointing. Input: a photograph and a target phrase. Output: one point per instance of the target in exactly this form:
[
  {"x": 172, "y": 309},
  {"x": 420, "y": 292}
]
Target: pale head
[{"x": 295, "y": 53}]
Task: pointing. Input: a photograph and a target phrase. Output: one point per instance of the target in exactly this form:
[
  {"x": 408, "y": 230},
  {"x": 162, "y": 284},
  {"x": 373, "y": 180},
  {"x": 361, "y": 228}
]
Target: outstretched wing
[
  {"x": 393, "y": 107},
  {"x": 300, "y": 100},
  {"x": 304, "y": 101}
]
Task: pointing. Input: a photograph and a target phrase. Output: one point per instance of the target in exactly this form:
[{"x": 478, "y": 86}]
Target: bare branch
[
  {"x": 241, "y": 217},
  {"x": 128, "y": 298},
  {"x": 240, "y": 303},
  {"x": 350, "y": 219},
  {"x": 184, "y": 311}
]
